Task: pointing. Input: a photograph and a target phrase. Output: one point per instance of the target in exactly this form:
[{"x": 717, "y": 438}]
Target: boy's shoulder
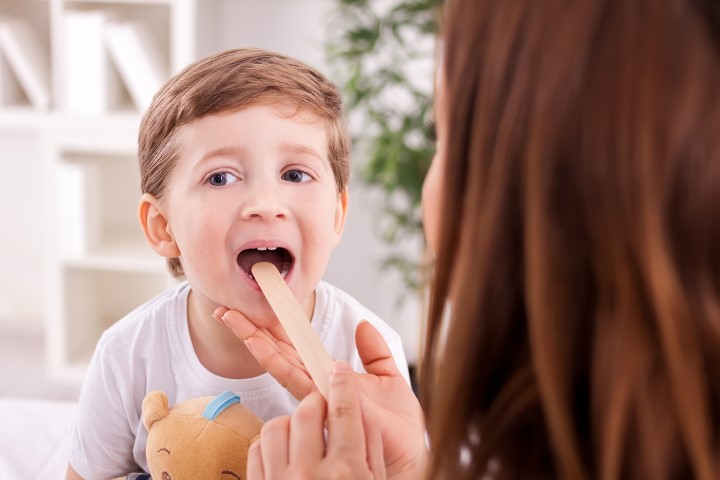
[
  {"x": 149, "y": 316},
  {"x": 340, "y": 306},
  {"x": 341, "y": 301}
]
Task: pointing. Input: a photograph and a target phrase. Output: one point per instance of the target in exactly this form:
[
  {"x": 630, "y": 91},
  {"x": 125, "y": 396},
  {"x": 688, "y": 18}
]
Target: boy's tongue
[{"x": 247, "y": 258}]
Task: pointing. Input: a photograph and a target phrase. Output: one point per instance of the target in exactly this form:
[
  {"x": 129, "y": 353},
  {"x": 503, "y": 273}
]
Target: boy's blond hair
[{"x": 230, "y": 81}]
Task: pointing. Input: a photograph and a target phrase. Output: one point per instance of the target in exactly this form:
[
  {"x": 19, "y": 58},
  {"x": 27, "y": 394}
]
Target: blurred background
[{"x": 75, "y": 76}]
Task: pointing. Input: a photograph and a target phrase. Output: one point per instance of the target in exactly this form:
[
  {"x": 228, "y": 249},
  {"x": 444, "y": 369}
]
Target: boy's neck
[
  {"x": 216, "y": 346},
  {"x": 309, "y": 305}
]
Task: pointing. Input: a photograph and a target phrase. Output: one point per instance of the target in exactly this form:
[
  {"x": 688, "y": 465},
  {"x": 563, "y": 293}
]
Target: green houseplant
[{"x": 382, "y": 55}]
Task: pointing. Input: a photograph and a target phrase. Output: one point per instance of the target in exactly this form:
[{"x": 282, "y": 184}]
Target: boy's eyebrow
[
  {"x": 219, "y": 152},
  {"x": 290, "y": 147}
]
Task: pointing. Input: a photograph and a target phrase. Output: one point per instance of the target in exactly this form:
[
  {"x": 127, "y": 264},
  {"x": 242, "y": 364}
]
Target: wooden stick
[{"x": 296, "y": 324}]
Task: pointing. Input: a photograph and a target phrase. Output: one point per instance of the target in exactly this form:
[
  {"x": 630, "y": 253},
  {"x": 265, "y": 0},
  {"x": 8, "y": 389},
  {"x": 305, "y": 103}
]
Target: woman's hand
[
  {"x": 272, "y": 348},
  {"x": 387, "y": 398},
  {"x": 295, "y": 446}
]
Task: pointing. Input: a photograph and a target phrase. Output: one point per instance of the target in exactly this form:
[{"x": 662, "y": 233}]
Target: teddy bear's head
[{"x": 200, "y": 438}]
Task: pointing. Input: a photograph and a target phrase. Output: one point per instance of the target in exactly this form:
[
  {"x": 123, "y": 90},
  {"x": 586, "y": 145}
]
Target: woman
[{"x": 577, "y": 243}]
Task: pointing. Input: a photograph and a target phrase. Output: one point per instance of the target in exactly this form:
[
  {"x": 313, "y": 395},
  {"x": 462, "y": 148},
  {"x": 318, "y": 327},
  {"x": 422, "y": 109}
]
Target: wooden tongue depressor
[{"x": 296, "y": 324}]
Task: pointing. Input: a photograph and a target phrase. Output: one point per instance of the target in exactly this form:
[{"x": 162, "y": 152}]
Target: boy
[{"x": 243, "y": 157}]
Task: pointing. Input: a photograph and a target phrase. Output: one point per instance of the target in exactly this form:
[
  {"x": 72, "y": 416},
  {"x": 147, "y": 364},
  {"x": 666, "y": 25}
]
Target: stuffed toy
[{"x": 200, "y": 438}]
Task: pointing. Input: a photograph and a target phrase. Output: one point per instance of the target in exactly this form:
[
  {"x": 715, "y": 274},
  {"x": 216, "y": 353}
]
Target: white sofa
[{"x": 34, "y": 438}]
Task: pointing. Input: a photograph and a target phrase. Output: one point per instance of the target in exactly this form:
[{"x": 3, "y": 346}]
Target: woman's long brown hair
[{"x": 574, "y": 327}]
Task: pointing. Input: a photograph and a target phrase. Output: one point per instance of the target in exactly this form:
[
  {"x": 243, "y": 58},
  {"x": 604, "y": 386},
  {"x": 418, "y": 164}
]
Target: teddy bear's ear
[{"x": 154, "y": 407}]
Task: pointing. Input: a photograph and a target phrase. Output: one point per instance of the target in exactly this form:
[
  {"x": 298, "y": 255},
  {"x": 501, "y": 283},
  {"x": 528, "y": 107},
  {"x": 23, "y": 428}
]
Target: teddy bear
[{"x": 199, "y": 438}]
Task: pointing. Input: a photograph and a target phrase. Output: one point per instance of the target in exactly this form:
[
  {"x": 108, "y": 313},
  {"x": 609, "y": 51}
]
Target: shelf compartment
[
  {"x": 96, "y": 201},
  {"x": 92, "y": 303},
  {"x": 115, "y": 55},
  {"x": 25, "y": 55}
]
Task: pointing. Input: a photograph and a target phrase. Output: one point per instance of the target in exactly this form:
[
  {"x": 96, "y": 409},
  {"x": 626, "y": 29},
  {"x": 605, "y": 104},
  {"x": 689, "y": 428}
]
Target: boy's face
[{"x": 249, "y": 186}]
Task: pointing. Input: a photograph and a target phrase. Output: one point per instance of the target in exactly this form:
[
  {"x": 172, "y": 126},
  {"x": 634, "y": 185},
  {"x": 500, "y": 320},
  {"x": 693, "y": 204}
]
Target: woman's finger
[
  {"x": 241, "y": 326},
  {"x": 244, "y": 328},
  {"x": 280, "y": 334},
  {"x": 269, "y": 356},
  {"x": 255, "y": 465},
  {"x": 374, "y": 447},
  {"x": 275, "y": 436},
  {"x": 287, "y": 351},
  {"x": 346, "y": 435},
  {"x": 307, "y": 438},
  {"x": 291, "y": 376}
]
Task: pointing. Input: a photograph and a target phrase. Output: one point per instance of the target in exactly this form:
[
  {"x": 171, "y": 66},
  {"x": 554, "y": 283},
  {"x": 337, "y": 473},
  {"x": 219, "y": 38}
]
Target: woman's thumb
[{"x": 375, "y": 354}]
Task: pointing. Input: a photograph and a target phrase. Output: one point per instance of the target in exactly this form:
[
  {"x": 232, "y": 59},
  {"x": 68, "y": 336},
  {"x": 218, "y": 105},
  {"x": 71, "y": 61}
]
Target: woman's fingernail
[
  {"x": 248, "y": 344},
  {"x": 255, "y": 442},
  {"x": 340, "y": 367}
]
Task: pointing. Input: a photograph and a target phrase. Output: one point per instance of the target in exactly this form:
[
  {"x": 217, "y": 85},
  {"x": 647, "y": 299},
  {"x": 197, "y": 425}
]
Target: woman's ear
[
  {"x": 341, "y": 213},
  {"x": 156, "y": 227}
]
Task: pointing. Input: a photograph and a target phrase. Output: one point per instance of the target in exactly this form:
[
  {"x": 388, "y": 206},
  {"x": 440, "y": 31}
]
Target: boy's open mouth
[{"x": 278, "y": 256}]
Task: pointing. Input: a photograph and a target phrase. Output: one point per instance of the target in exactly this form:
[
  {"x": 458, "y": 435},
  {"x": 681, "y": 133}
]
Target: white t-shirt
[{"x": 150, "y": 349}]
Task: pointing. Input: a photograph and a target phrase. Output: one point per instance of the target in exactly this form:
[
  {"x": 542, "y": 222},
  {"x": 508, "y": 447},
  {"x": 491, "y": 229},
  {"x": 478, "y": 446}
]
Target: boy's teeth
[
  {"x": 262, "y": 249},
  {"x": 272, "y": 248}
]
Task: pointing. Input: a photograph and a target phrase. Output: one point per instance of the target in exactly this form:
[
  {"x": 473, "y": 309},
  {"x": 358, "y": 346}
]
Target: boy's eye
[
  {"x": 221, "y": 178},
  {"x": 296, "y": 176}
]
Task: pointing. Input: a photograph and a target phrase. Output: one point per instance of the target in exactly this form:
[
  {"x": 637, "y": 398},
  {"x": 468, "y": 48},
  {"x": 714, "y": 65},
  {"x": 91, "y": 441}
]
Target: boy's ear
[
  {"x": 341, "y": 213},
  {"x": 156, "y": 228}
]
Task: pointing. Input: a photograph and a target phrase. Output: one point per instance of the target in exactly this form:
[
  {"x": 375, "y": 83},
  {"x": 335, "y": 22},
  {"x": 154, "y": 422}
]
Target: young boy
[{"x": 243, "y": 158}]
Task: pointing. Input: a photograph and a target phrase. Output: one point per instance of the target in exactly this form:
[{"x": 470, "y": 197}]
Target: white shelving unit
[{"x": 101, "y": 267}]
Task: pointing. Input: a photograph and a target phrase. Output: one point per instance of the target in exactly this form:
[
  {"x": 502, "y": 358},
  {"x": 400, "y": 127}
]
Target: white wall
[{"x": 292, "y": 27}]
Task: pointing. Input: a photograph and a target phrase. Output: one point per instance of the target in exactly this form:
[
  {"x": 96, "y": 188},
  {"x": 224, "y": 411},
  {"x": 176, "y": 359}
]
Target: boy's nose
[{"x": 263, "y": 202}]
